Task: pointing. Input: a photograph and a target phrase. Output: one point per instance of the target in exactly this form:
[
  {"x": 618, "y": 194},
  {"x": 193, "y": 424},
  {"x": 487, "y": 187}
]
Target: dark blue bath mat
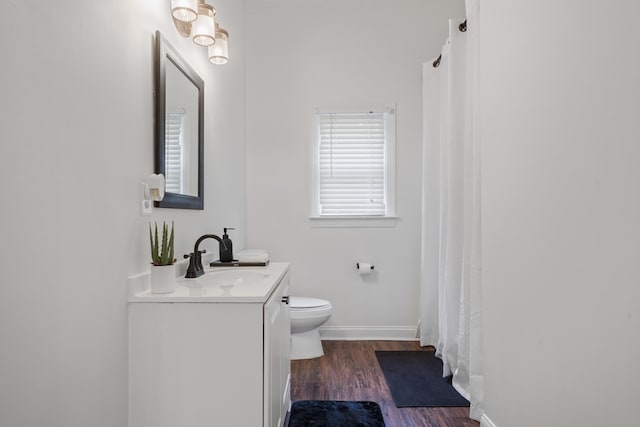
[
  {"x": 415, "y": 379},
  {"x": 335, "y": 413}
]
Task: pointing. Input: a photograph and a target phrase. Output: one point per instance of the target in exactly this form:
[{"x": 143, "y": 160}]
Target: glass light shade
[
  {"x": 156, "y": 186},
  {"x": 219, "y": 52},
  {"x": 204, "y": 28},
  {"x": 184, "y": 10}
]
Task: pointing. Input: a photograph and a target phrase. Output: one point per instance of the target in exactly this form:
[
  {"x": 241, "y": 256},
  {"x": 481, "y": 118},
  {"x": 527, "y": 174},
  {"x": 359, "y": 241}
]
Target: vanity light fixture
[
  {"x": 219, "y": 51},
  {"x": 152, "y": 191},
  {"x": 197, "y": 19}
]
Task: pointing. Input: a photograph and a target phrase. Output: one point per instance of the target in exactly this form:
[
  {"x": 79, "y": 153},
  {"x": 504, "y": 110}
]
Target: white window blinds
[
  {"x": 352, "y": 164},
  {"x": 173, "y": 137}
]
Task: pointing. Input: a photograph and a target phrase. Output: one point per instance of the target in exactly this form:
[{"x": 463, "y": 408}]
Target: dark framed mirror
[{"x": 179, "y": 128}]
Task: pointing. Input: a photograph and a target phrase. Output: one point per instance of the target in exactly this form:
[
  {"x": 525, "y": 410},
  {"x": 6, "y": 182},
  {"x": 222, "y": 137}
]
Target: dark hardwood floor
[{"x": 349, "y": 371}]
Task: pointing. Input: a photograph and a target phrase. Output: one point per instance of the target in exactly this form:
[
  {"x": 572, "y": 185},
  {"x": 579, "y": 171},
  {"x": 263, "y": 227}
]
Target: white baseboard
[
  {"x": 368, "y": 333},
  {"x": 486, "y": 422}
]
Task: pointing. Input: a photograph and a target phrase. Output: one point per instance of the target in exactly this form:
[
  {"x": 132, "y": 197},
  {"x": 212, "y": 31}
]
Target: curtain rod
[{"x": 463, "y": 29}]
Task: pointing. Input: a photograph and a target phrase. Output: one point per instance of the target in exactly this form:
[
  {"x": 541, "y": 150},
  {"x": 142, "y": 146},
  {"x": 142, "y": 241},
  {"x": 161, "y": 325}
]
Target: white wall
[
  {"x": 338, "y": 54},
  {"x": 560, "y": 128},
  {"x": 76, "y": 120}
]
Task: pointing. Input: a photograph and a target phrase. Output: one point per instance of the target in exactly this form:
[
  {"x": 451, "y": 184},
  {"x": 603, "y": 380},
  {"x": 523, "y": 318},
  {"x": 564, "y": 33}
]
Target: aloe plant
[{"x": 161, "y": 251}]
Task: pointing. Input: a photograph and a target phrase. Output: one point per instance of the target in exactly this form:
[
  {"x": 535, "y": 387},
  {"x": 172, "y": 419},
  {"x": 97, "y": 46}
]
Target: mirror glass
[{"x": 179, "y": 128}]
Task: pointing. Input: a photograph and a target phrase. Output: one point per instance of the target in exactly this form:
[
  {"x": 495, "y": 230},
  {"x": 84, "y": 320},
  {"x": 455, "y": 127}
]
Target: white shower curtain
[{"x": 451, "y": 310}]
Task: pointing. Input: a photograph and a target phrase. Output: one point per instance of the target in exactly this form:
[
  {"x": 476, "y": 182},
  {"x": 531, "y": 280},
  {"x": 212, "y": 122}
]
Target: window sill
[{"x": 353, "y": 221}]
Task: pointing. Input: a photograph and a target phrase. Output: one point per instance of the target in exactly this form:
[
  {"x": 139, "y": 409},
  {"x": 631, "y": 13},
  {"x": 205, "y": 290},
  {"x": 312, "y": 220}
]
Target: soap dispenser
[{"x": 226, "y": 255}]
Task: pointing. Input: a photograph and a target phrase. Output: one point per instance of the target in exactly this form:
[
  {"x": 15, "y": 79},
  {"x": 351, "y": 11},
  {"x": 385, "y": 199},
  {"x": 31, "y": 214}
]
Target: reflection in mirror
[
  {"x": 181, "y": 133},
  {"x": 179, "y": 128}
]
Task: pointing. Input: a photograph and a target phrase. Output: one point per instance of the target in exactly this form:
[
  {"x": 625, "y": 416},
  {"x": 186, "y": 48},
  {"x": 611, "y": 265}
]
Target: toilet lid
[{"x": 307, "y": 302}]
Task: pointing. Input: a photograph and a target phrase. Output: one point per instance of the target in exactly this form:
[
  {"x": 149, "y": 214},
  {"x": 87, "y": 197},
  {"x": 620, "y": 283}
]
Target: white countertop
[{"x": 194, "y": 290}]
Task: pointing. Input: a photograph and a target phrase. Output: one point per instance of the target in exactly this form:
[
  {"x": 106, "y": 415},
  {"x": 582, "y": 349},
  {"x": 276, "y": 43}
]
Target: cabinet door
[
  {"x": 276, "y": 356},
  {"x": 285, "y": 351}
]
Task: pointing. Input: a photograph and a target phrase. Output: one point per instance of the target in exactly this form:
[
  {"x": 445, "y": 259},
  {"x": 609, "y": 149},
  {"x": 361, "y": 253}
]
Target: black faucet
[{"x": 195, "y": 259}]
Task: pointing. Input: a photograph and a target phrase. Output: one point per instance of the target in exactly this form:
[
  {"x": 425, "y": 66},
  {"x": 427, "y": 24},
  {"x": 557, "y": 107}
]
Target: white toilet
[{"x": 307, "y": 314}]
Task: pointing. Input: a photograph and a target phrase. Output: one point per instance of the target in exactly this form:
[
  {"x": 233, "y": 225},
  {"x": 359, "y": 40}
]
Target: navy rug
[
  {"x": 335, "y": 413},
  {"x": 415, "y": 379}
]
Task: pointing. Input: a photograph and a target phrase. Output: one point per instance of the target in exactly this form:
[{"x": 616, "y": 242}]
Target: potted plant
[{"x": 163, "y": 273}]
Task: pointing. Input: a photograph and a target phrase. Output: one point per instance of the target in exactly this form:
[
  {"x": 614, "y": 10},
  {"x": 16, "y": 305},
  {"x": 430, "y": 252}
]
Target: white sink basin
[{"x": 232, "y": 278}]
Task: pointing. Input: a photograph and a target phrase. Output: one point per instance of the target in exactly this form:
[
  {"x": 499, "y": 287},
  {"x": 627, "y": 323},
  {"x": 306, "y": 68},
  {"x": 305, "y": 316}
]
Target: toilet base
[{"x": 306, "y": 345}]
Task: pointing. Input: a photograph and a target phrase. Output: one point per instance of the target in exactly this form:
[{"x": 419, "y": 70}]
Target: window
[{"x": 354, "y": 171}]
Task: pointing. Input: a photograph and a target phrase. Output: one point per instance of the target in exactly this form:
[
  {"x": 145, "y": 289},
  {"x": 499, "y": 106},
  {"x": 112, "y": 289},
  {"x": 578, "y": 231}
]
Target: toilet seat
[
  {"x": 307, "y": 303},
  {"x": 309, "y": 308}
]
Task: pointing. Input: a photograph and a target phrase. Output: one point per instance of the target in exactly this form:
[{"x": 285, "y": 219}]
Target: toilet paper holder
[{"x": 358, "y": 266}]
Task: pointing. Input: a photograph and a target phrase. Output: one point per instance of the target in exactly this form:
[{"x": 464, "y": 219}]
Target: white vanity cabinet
[
  {"x": 210, "y": 359},
  {"x": 277, "y": 361}
]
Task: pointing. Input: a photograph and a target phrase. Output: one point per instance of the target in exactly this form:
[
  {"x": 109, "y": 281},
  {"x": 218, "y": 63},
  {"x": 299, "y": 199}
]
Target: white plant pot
[{"x": 163, "y": 279}]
